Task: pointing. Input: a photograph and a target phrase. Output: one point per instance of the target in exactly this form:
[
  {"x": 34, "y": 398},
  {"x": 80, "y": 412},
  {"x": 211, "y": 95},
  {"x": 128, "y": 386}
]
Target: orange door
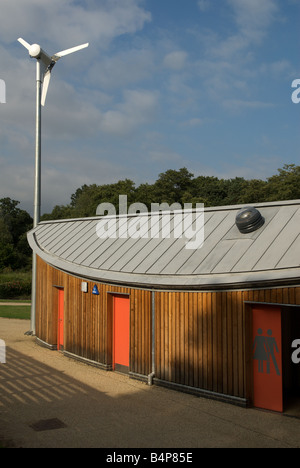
[
  {"x": 60, "y": 331},
  {"x": 121, "y": 334},
  {"x": 267, "y": 358}
]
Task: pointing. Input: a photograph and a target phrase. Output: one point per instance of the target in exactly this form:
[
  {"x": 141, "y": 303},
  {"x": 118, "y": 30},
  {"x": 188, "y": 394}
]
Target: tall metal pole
[{"x": 37, "y": 187}]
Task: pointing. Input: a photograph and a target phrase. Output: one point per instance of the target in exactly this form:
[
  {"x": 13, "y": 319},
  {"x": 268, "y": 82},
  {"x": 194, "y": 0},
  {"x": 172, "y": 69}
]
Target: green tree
[
  {"x": 86, "y": 199},
  {"x": 171, "y": 186},
  {"x": 254, "y": 191},
  {"x": 209, "y": 190},
  {"x": 146, "y": 193},
  {"x": 180, "y": 186},
  {"x": 285, "y": 185},
  {"x": 14, "y": 224},
  {"x": 7, "y": 256},
  {"x": 59, "y": 212}
]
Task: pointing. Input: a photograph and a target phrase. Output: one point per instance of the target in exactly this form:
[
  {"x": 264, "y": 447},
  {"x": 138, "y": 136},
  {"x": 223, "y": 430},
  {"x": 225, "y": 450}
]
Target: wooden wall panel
[
  {"x": 201, "y": 338},
  {"x": 88, "y": 318}
]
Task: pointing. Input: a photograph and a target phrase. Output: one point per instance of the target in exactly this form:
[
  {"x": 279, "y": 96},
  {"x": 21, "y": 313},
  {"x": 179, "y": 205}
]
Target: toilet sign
[
  {"x": 2, "y": 352},
  {"x": 267, "y": 358},
  {"x": 95, "y": 290}
]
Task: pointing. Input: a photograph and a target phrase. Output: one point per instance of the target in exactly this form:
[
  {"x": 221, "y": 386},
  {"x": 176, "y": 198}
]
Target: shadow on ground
[{"x": 42, "y": 406}]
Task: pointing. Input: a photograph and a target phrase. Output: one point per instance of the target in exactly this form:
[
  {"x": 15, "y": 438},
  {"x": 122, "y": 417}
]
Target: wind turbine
[
  {"x": 44, "y": 67},
  {"x": 35, "y": 51}
]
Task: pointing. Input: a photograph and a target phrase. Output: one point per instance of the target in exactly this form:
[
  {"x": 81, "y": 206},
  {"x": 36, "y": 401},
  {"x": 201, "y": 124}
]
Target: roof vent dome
[{"x": 249, "y": 219}]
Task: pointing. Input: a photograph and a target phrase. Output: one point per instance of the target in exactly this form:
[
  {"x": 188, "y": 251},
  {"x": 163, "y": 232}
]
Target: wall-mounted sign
[
  {"x": 84, "y": 287},
  {"x": 95, "y": 290}
]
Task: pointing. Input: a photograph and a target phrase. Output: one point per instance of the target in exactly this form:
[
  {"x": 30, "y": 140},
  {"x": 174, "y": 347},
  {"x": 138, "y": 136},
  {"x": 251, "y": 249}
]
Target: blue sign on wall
[{"x": 95, "y": 290}]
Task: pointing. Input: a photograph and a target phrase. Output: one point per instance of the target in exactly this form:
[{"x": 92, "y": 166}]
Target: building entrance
[
  {"x": 291, "y": 368},
  {"x": 276, "y": 376}
]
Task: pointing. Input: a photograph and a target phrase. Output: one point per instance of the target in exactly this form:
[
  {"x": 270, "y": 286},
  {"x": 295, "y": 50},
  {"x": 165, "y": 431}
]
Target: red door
[
  {"x": 60, "y": 331},
  {"x": 267, "y": 358},
  {"x": 121, "y": 319}
]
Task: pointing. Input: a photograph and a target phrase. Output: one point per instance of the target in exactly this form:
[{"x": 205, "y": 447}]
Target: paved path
[{"x": 87, "y": 407}]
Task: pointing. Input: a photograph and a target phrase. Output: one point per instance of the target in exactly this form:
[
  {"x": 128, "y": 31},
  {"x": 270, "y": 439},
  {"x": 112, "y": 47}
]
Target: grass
[{"x": 15, "y": 312}]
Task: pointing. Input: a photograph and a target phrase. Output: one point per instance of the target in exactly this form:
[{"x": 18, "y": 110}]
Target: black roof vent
[{"x": 249, "y": 219}]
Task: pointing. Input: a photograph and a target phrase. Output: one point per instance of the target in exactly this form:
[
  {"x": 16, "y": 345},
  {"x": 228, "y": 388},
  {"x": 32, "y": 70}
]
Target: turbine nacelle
[{"x": 36, "y": 52}]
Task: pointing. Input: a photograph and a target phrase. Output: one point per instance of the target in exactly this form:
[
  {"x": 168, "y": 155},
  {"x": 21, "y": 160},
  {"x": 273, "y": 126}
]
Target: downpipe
[
  {"x": 150, "y": 378},
  {"x": 152, "y": 375}
]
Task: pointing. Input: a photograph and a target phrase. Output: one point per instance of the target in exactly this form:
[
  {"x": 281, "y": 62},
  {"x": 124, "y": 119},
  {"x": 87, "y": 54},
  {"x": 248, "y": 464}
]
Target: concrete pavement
[{"x": 50, "y": 401}]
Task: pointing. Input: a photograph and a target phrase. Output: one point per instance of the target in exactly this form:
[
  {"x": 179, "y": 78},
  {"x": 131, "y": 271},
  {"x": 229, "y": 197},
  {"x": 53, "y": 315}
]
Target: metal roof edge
[
  {"x": 206, "y": 209},
  {"x": 174, "y": 282}
]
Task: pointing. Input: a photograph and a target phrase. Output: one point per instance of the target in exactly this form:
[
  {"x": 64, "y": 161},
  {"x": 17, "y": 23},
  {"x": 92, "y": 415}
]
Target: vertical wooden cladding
[
  {"x": 88, "y": 323},
  {"x": 189, "y": 339},
  {"x": 201, "y": 338},
  {"x": 140, "y": 336},
  {"x": 47, "y": 302}
]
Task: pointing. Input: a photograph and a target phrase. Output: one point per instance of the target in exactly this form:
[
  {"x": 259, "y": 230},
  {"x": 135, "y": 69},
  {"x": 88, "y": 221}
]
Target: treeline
[
  {"x": 182, "y": 187},
  {"x": 15, "y": 253},
  {"x": 171, "y": 186}
]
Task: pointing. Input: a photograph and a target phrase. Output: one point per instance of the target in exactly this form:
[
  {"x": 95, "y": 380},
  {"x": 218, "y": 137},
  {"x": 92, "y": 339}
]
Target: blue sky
[{"x": 202, "y": 84}]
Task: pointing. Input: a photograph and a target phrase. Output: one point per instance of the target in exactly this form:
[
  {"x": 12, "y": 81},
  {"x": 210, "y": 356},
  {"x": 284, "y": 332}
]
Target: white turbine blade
[
  {"x": 69, "y": 51},
  {"x": 24, "y": 43},
  {"x": 46, "y": 83}
]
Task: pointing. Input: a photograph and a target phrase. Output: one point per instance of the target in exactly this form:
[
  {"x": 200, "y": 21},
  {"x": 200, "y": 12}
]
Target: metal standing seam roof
[{"x": 227, "y": 258}]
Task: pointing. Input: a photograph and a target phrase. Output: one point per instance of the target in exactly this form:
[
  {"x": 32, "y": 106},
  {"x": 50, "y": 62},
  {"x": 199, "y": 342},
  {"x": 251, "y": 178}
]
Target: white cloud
[
  {"x": 69, "y": 21},
  {"x": 252, "y": 20},
  {"x": 195, "y": 122},
  {"x": 122, "y": 68},
  {"x": 137, "y": 108},
  {"x": 204, "y": 5},
  {"x": 277, "y": 68},
  {"x": 72, "y": 116},
  {"x": 175, "y": 60},
  {"x": 228, "y": 65},
  {"x": 253, "y": 17},
  {"x": 56, "y": 25},
  {"x": 165, "y": 156},
  {"x": 238, "y": 104},
  {"x": 139, "y": 99}
]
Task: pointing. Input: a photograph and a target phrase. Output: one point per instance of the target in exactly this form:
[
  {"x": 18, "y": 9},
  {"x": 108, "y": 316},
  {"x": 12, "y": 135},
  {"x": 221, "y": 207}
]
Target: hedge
[{"x": 15, "y": 289}]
